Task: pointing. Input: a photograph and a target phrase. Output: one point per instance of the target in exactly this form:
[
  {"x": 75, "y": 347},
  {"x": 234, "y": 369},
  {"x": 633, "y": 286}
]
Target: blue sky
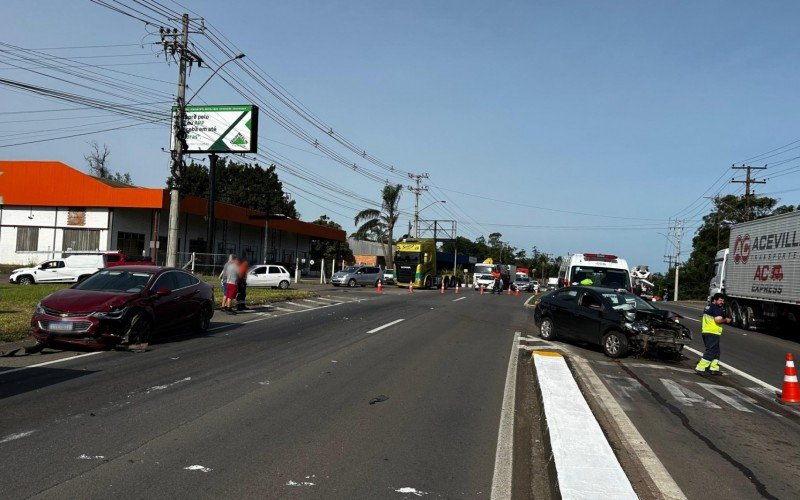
[{"x": 628, "y": 110}]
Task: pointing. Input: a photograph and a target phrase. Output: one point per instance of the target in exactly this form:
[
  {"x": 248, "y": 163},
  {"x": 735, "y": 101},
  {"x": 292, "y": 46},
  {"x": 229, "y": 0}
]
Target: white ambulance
[{"x": 604, "y": 270}]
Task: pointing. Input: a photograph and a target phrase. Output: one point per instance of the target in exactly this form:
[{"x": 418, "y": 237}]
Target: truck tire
[
  {"x": 736, "y": 314},
  {"x": 25, "y": 280},
  {"x": 747, "y": 317},
  {"x": 428, "y": 282}
]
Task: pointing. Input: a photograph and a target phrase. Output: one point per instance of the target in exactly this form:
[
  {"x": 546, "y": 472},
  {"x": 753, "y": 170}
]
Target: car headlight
[
  {"x": 39, "y": 308},
  {"x": 636, "y": 327},
  {"x": 113, "y": 314}
]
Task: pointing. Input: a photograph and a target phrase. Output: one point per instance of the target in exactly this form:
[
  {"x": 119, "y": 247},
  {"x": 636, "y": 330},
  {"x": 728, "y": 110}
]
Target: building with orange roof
[{"x": 48, "y": 208}]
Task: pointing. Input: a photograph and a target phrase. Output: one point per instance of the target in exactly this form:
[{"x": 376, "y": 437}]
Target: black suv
[{"x": 617, "y": 320}]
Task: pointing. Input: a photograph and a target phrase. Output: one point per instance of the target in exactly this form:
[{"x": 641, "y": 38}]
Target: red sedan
[{"x": 123, "y": 306}]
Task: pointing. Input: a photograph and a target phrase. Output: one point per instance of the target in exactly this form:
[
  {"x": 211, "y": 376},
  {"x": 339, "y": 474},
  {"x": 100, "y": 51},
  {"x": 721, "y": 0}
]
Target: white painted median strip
[
  {"x": 504, "y": 457},
  {"x": 15, "y": 436},
  {"x": 51, "y": 362},
  {"x": 387, "y": 325},
  {"x": 460, "y": 298},
  {"x": 585, "y": 463}
]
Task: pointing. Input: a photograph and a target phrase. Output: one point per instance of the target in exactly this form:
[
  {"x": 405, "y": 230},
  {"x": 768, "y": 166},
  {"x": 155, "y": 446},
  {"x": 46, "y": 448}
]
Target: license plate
[{"x": 60, "y": 326}]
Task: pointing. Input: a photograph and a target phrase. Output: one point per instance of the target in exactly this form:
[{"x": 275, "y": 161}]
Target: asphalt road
[
  {"x": 317, "y": 403},
  {"x": 718, "y": 437}
]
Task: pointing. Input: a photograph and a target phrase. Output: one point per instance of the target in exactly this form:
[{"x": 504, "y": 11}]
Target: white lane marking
[
  {"x": 331, "y": 300},
  {"x": 411, "y": 491},
  {"x": 632, "y": 438},
  {"x": 301, "y": 483},
  {"x": 51, "y": 362},
  {"x": 691, "y": 319},
  {"x": 253, "y": 321},
  {"x": 90, "y": 457},
  {"x": 284, "y": 309},
  {"x": 298, "y": 305},
  {"x": 167, "y": 386},
  {"x": 316, "y": 303},
  {"x": 201, "y": 468},
  {"x": 685, "y": 396},
  {"x": 387, "y": 325},
  {"x": 15, "y": 436},
  {"x": 504, "y": 456},
  {"x": 738, "y": 372},
  {"x": 735, "y": 398},
  {"x": 460, "y": 298}
]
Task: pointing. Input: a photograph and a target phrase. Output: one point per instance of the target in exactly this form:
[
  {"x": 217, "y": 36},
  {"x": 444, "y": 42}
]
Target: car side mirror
[{"x": 163, "y": 292}]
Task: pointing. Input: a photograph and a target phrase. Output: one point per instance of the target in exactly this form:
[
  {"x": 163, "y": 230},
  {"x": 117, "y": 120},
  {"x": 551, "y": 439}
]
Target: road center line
[
  {"x": 460, "y": 298},
  {"x": 504, "y": 459},
  {"x": 50, "y": 362},
  {"x": 387, "y": 325}
]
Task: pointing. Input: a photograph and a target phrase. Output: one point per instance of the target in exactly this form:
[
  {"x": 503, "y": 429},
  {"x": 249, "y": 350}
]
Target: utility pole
[
  {"x": 675, "y": 239},
  {"x": 418, "y": 189},
  {"x": 748, "y": 181},
  {"x": 177, "y": 45}
]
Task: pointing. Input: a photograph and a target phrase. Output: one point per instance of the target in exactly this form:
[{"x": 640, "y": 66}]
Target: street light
[
  {"x": 212, "y": 169},
  {"x": 237, "y": 56}
]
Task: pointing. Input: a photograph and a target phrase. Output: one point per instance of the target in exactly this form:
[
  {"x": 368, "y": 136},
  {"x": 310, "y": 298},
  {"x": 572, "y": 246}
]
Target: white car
[
  {"x": 269, "y": 275},
  {"x": 70, "y": 269}
]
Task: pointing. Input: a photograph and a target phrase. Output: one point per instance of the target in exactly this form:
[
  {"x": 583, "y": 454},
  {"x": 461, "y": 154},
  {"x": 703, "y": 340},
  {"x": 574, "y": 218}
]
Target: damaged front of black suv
[{"x": 655, "y": 331}]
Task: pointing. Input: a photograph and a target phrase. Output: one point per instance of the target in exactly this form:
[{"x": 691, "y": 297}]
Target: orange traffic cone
[
  {"x": 791, "y": 389},
  {"x": 509, "y": 289},
  {"x": 458, "y": 289},
  {"x": 410, "y": 288},
  {"x": 517, "y": 293},
  {"x": 379, "y": 288},
  {"x": 481, "y": 289},
  {"x": 441, "y": 290}
]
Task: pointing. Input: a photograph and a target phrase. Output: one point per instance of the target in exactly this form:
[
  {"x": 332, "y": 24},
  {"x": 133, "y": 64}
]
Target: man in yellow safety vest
[{"x": 713, "y": 319}]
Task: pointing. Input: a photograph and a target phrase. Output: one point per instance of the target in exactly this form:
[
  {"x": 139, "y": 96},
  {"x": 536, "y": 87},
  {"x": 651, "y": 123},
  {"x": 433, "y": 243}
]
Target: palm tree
[{"x": 381, "y": 222}]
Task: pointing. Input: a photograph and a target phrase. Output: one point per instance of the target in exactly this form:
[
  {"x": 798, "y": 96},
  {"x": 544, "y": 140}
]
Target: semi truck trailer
[{"x": 759, "y": 272}]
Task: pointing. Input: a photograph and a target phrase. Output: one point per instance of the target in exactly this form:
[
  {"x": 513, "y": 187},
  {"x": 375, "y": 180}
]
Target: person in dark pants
[
  {"x": 713, "y": 319},
  {"x": 241, "y": 289}
]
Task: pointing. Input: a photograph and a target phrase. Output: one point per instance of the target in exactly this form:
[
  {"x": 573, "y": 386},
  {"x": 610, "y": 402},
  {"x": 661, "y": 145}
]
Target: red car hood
[{"x": 77, "y": 301}]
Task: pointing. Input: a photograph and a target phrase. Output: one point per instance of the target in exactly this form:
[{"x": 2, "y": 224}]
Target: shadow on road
[{"x": 32, "y": 379}]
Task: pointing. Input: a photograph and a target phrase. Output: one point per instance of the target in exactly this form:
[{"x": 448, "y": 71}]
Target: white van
[
  {"x": 608, "y": 271},
  {"x": 70, "y": 269}
]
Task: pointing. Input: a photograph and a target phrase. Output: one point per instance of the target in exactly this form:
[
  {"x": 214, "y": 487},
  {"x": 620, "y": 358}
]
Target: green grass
[
  {"x": 17, "y": 304},
  {"x": 16, "y": 308}
]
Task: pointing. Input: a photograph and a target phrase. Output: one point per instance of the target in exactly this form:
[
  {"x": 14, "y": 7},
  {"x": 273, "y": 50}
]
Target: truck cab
[
  {"x": 717, "y": 284},
  {"x": 418, "y": 263}
]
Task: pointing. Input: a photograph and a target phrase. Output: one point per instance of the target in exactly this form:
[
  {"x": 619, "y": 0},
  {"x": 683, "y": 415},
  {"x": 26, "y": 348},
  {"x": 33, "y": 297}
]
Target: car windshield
[
  {"x": 602, "y": 276},
  {"x": 115, "y": 281},
  {"x": 483, "y": 268},
  {"x": 350, "y": 269},
  {"x": 406, "y": 258},
  {"x": 628, "y": 302}
]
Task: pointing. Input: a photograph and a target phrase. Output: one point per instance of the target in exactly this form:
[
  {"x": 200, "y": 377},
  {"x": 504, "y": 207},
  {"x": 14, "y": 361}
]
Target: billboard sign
[{"x": 219, "y": 129}]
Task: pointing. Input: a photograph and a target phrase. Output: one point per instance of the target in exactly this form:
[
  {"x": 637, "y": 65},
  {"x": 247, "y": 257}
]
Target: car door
[
  {"x": 167, "y": 309},
  {"x": 374, "y": 275},
  {"x": 563, "y": 312},
  {"x": 48, "y": 272},
  {"x": 257, "y": 276},
  {"x": 189, "y": 298},
  {"x": 587, "y": 317},
  {"x": 274, "y": 276},
  {"x": 361, "y": 276}
]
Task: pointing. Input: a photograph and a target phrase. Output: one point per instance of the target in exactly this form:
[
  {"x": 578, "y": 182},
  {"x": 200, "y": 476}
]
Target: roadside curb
[
  {"x": 583, "y": 465},
  {"x": 528, "y": 302},
  {"x": 619, "y": 427}
]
